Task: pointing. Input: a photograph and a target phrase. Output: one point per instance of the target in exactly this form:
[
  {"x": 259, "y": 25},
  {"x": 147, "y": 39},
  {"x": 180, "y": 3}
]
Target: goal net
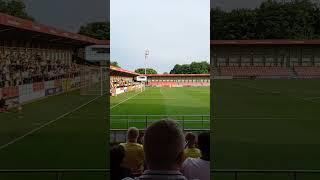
[{"x": 93, "y": 80}]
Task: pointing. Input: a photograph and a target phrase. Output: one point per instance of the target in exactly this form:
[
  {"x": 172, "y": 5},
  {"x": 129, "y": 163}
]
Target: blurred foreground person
[
  {"x": 199, "y": 168},
  {"x": 163, "y": 148}
]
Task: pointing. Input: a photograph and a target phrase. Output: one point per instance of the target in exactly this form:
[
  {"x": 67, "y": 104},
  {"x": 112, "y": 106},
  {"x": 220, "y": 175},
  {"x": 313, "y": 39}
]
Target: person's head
[
  {"x": 132, "y": 134},
  {"x": 117, "y": 154},
  {"x": 164, "y": 145},
  {"x": 204, "y": 145},
  {"x": 190, "y": 139},
  {"x": 140, "y": 138}
]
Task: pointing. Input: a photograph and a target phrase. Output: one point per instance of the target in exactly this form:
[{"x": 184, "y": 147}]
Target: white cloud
[{"x": 175, "y": 32}]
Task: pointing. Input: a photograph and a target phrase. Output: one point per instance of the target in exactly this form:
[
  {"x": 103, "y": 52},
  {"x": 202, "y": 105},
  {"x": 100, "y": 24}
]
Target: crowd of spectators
[
  {"x": 164, "y": 153},
  {"x": 19, "y": 67},
  {"x": 116, "y": 82}
]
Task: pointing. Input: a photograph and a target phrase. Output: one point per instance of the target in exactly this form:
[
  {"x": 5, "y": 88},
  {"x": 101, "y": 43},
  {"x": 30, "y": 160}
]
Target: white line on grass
[
  {"x": 125, "y": 100},
  {"x": 311, "y": 98},
  {"x": 270, "y": 91},
  {"x": 155, "y": 98},
  {"x": 46, "y": 124}
]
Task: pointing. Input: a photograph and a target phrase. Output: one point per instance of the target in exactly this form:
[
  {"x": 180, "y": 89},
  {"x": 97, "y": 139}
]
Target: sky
[
  {"x": 68, "y": 14},
  {"x": 174, "y": 31},
  {"x": 234, "y": 4}
]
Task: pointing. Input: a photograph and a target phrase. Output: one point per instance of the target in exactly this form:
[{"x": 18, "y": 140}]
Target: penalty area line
[{"x": 46, "y": 124}]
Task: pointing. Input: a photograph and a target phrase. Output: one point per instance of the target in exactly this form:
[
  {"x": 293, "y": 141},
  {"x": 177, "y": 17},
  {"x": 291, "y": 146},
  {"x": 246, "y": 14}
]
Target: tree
[
  {"x": 98, "y": 30},
  {"x": 273, "y": 19},
  {"x": 199, "y": 67},
  {"x": 149, "y": 71},
  {"x": 14, "y": 8},
  {"x": 114, "y": 63},
  {"x": 193, "y": 68},
  {"x": 165, "y": 73}
]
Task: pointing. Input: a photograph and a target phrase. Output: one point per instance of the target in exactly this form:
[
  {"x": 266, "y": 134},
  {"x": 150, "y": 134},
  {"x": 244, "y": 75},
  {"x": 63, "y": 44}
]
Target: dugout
[{"x": 274, "y": 53}]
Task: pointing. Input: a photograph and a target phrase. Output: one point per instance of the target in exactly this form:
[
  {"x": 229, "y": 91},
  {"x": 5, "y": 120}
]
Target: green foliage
[
  {"x": 193, "y": 68},
  {"x": 149, "y": 71},
  {"x": 296, "y": 19},
  {"x": 114, "y": 63},
  {"x": 14, "y": 8},
  {"x": 98, "y": 30}
]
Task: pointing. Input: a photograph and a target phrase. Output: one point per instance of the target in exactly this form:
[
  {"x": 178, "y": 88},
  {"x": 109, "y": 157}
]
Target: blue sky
[{"x": 174, "y": 31}]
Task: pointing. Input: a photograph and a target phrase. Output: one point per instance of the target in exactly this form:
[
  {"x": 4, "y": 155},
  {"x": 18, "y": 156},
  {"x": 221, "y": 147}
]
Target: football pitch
[
  {"x": 266, "y": 124},
  {"x": 66, "y": 131},
  {"x": 190, "y": 106},
  {"x": 69, "y": 131}
]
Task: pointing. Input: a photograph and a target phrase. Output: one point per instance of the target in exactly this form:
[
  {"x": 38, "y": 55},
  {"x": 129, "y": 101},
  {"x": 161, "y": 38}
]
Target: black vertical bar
[
  {"x": 202, "y": 122},
  {"x": 127, "y": 121},
  {"x": 58, "y": 175},
  {"x": 295, "y": 175},
  {"x": 183, "y": 123},
  {"x": 235, "y": 175}
]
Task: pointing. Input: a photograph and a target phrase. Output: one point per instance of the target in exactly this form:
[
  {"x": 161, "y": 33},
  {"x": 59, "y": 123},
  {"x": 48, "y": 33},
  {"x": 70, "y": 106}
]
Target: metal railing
[
  {"x": 121, "y": 123},
  {"x": 187, "y": 122},
  {"x": 57, "y": 174},
  {"x": 238, "y": 173},
  {"x": 235, "y": 173}
]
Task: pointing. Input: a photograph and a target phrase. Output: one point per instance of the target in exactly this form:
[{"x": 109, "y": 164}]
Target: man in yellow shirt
[
  {"x": 134, "y": 155},
  {"x": 191, "y": 150}
]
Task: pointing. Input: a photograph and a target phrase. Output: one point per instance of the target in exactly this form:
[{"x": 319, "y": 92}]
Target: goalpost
[{"x": 94, "y": 80}]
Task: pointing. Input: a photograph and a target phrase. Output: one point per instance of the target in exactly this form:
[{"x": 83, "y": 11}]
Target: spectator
[
  {"x": 134, "y": 156},
  {"x": 191, "y": 150},
  {"x": 199, "y": 168},
  {"x": 3, "y": 105},
  {"x": 140, "y": 138},
  {"x": 163, "y": 147},
  {"x": 118, "y": 172}
]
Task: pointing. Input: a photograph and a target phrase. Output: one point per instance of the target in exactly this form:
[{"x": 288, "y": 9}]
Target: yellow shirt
[
  {"x": 192, "y": 152},
  {"x": 134, "y": 156}
]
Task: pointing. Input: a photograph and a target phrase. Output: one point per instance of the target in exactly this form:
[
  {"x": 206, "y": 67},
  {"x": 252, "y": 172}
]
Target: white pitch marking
[
  {"x": 125, "y": 100},
  {"x": 46, "y": 124}
]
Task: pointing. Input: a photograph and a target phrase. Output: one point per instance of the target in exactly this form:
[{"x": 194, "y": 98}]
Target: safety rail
[
  {"x": 236, "y": 173},
  {"x": 58, "y": 173},
  {"x": 187, "y": 122},
  {"x": 121, "y": 123}
]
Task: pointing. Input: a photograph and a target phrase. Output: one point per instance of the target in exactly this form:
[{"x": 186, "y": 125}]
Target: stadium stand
[
  {"x": 266, "y": 58},
  {"x": 307, "y": 71},
  {"x": 122, "y": 80},
  {"x": 37, "y": 60},
  {"x": 254, "y": 71},
  {"x": 178, "y": 80}
]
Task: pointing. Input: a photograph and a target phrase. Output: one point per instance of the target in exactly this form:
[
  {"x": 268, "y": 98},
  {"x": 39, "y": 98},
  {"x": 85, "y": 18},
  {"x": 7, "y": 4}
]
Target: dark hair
[
  {"x": 117, "y": 154},
  {"x": 204, "y": 144},
  {"x": 163, "y": 143},
  {"x": 190, "y": 139}
]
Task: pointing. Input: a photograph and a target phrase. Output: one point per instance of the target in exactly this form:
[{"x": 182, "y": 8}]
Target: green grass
[
  {"x": 79, "y": 140},
  {"x": 266, "y": 124},
  {"x": 71, "y": 141},
  {"x": 183, "y": 104}
]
